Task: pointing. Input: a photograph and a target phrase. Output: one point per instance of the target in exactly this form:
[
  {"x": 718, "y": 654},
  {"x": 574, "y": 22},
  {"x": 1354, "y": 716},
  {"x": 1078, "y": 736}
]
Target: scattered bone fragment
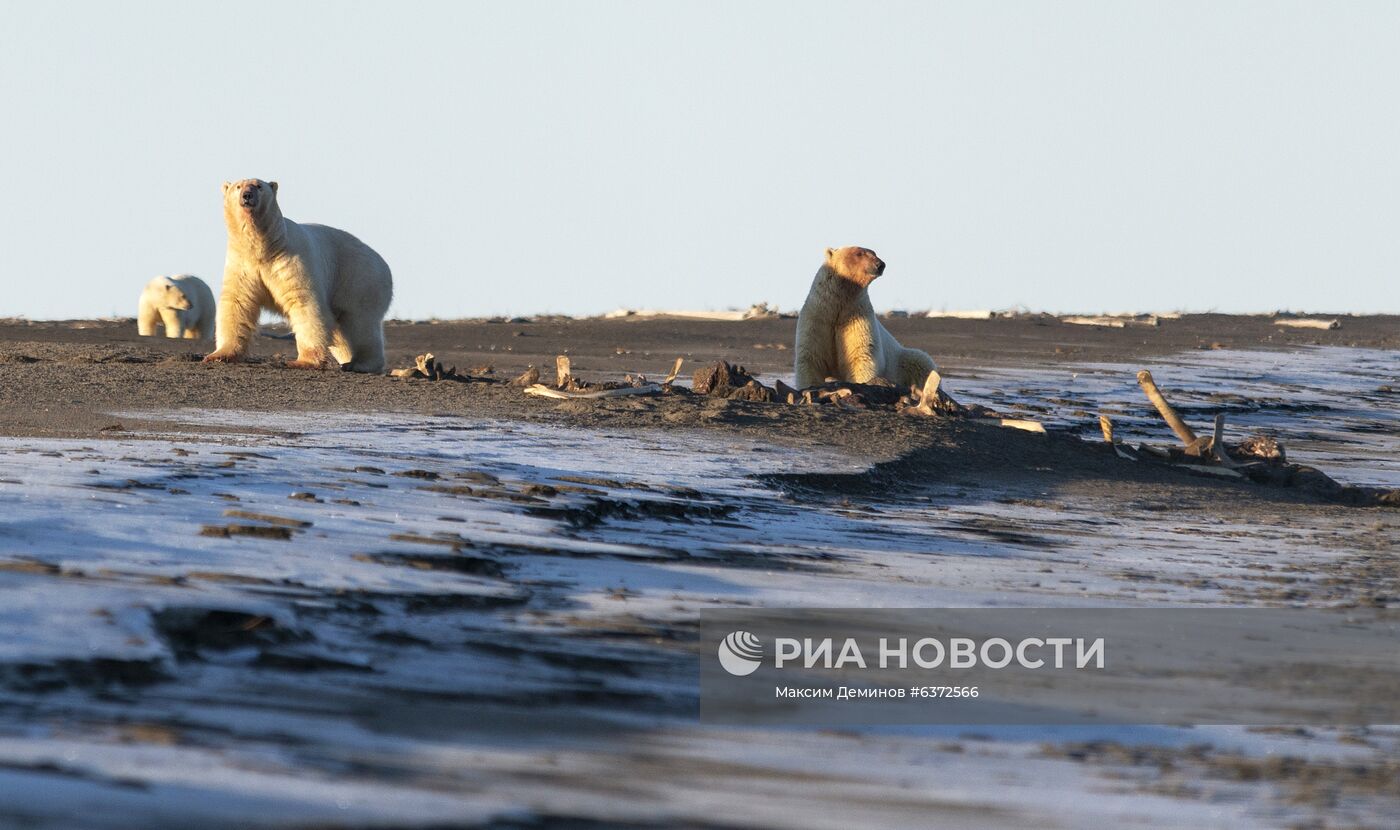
[
  {"x": 530, "y": 377},
  {"x": 1106, "y": 426},
  {"x": 568, "y": 394},
  {"x": 427, "y": 367},
  {"x": 1217, "y": 442},
  {"x": 675, "y": 371},
  {"x": 1262, "y": 448}
]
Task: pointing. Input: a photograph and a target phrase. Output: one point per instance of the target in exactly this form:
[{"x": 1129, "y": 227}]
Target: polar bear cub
[
  {"x": 838, "y": 334},
  {"x": 182, "y": 304},
  {"x": 333, "y": 289}
]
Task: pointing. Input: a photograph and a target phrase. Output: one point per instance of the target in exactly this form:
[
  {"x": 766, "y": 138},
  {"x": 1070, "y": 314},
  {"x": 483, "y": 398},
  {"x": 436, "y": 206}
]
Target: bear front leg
[
  {"x": 170, "y": 318},
  {"x": 863, "y": 369},
  {"x": 239, "y": 307},
  {"x": 311, "y": 324},
  {"x": 810, "y": 369},
  {"x": 858, "y": 349},
  {"x": 146, "y": 320}
]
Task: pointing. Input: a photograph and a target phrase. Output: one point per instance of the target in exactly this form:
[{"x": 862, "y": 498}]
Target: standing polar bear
[
  {"x": 332, "y": 288},
  {"x": 182, "y": 304},
  {"x": 838, "y": 334}
]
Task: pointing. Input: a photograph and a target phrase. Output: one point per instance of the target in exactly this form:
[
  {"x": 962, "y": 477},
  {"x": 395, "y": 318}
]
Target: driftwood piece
[
  {"x": 1308, "y": 323},
  {"x": 563, "y": 371},
  {"x": 1106, "y": 427}
]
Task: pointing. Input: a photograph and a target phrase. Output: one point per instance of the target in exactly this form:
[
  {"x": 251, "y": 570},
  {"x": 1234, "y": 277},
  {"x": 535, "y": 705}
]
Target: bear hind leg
[
  {"x": 914, "y": 368},
  {"x": 359, "y": 344}
]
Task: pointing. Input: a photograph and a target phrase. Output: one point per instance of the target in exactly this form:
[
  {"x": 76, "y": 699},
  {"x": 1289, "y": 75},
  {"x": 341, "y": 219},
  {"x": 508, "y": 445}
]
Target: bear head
[
  {"x": 855, "y": 264},
  {"x": 252, "y": 196},
  {"x": 171, "y": 295}
]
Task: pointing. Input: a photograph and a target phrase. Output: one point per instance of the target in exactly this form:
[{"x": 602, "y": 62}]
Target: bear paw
[
  {"x": 313, "y": 360},
  {"x": 223, "y": 356}
]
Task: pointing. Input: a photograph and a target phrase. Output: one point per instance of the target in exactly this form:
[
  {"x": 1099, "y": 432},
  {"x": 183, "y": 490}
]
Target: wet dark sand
[
  {"x": 61, "y": 378},
  {"x": 70, "y": 379}
]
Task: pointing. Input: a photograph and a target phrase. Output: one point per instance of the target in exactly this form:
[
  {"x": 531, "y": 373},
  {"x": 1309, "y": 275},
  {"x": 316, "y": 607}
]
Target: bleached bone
[
  {"x": 962, "y": 315},
  {"x": 932, "y": 399},
  {"x": 548, "y": 392},
  {"x": 1223, "y": 472},
  {"x": 1308, "y": 323},
  {"x": 1178, "y": 426},
  {"x": 1111, "y": 322},
  {"x": 563, "y": 371},
  {"x": 1217, "y": 442},
  {"x": 1106, "y": 426},
  {"x": 675, "y": 370},
  {"x": 1022, "y": 424}
]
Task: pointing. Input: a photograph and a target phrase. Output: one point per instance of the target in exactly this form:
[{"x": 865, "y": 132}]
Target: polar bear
[
  {"x": 838, "y": 334},
  {"x": 183, "y": 304},
  {"x": 333, "y": 289}
]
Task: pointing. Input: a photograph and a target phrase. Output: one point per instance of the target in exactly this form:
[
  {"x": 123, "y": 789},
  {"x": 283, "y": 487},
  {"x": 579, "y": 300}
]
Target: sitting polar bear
[
  {"x": 838, "y": 334},
  {"x": 332, "y": 288},
  {"x": 183, "y": 304}
]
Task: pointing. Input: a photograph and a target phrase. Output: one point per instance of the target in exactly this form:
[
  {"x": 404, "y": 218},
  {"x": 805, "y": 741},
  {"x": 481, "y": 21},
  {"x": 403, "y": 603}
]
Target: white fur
[
  {"x": 333, "y": 289},
  {"x": 182, "y": 304},
  {"x": 839, "y": 336}
]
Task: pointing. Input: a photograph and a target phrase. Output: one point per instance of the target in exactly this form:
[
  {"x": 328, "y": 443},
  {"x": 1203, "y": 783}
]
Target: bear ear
[
  {"x": 272, "y": 185},
  {"x": 227, "y": 185},
  {"x": 829, "y": 253}
]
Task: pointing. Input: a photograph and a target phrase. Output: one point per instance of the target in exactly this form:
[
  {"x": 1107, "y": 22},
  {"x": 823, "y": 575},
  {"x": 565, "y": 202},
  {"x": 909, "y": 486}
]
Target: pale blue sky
[{"x": 516, "y": 157}]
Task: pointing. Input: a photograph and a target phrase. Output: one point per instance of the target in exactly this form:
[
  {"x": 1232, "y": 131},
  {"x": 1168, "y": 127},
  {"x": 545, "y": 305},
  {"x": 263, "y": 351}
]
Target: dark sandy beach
[{"x": 61, "y": 378}]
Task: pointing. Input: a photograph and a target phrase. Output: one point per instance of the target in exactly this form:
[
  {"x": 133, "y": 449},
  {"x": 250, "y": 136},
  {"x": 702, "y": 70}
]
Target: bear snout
[
  {"x": 249, "y": 197},
  {"x": 877, "y": 267}
]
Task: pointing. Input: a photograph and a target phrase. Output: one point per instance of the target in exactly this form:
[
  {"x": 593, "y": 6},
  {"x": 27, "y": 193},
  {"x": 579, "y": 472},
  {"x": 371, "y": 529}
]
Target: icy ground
[{"x": 367, "y": 620}]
